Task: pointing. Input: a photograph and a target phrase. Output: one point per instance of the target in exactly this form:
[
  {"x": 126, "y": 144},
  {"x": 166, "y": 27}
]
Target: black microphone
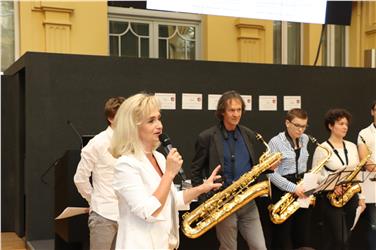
[
  {"x": 167, "y": 146},
  {"x": 76, "y": 132}
]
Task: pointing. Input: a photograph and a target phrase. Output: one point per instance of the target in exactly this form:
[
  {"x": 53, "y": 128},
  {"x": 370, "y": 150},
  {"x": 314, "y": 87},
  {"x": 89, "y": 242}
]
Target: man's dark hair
[
  {"x": 222, "y": 102},
  {"x": 111, "y": 107}
]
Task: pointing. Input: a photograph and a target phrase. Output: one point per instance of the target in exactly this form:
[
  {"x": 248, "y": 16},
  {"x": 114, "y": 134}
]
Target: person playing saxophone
[
  {"x": 337, "y": 221},
  {"x": 232, "y": 146},
  {"x": 292, "y": 143}
]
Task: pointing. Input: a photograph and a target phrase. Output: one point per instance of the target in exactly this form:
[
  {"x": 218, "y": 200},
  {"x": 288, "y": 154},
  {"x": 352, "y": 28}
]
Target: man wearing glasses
[{"x": 292, "y": 143}]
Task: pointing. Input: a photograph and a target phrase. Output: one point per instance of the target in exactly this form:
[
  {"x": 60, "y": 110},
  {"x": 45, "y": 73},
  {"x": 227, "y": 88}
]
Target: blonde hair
[{"x": 132, "y": 112}]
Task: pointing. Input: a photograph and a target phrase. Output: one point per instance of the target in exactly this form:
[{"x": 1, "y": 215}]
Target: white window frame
[
  {"x": 156, "y": 18},
  {"x": 331, "y": 46},
  {"x": 16, "y": 44},
  {"x": 138, "y": 21},
  {"x": 284, "y": 43},
  {"x": 16, "y": 32}
]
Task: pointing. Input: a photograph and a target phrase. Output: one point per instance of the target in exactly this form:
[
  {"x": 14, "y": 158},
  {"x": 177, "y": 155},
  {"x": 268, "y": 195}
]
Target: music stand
[
  {"x": 342, "y": 180},
  {"x": 332, "y": 180},
  {"x": 357, "y": 212},
  {"x": 369, "y": 172}
]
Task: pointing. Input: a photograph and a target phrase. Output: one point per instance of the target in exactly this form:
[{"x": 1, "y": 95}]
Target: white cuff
[
  {"x": 180, "y": 205},
  {"x": 152, "y": 205}
]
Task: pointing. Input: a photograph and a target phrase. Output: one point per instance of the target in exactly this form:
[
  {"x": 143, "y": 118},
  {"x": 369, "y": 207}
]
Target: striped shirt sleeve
[{"x": 276, "y": 145}]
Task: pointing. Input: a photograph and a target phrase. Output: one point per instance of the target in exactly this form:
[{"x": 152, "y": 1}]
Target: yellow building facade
[
  {"x": 82, "y": 28},
  {"x": 63, "y": 27}
]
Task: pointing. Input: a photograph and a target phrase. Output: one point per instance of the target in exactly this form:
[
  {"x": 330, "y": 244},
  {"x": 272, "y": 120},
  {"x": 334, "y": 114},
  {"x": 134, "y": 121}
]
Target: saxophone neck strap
[
  {"x": 296, "y": 147},
  {"x": 337, "y": 154},
  {"x": 328, "y": 169}
]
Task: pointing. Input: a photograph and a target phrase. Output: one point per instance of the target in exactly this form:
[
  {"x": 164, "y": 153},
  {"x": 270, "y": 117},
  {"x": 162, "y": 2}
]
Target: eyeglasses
[{"x": 298, "y": 126}]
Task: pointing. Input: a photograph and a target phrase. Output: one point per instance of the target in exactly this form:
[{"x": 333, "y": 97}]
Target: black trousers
[
  {"x": 295, "y": 232},
  {"x": 336, "y": 222}
]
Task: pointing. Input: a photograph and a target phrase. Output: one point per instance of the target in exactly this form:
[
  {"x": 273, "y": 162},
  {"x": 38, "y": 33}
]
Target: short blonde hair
[{"x": 132, "y": 112}]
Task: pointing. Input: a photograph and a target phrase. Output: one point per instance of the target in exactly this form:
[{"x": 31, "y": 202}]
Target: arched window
[{"x": 145, "y": 33}]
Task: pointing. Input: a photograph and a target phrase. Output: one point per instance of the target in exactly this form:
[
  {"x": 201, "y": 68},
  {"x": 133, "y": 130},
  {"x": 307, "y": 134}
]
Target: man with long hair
[{"x": 232, "y": 146}]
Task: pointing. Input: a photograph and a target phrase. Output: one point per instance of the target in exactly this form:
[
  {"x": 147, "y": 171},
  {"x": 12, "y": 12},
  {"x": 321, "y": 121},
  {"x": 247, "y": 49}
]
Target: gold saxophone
[
  {"x": 229, "y": 200},
  {"x": 288, "y": 204},
  {"x": 350, "y": 190}
]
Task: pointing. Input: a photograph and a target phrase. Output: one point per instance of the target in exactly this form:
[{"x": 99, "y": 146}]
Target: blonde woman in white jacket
[{"x": 143, "y": 179}]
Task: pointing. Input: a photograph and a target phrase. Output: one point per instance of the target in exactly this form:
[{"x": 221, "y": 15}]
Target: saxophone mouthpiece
[
  {"x": 313, "y": 139},
  {"x": 258, "y": 136},
  {"x": 260, "y": 139}
]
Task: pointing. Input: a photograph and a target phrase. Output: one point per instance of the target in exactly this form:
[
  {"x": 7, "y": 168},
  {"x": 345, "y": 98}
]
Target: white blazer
[{"x": 135, "y": 181}]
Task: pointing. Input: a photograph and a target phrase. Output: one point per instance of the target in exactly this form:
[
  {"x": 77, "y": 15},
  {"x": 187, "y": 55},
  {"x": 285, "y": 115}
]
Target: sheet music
[
  {"x": 310, "y": 182},
  {"x": 369, "y": 186},
  {"x": 357, "y": 216},
  {"x": 72, "y": 211},
  {"x": 304, "y": 203}
]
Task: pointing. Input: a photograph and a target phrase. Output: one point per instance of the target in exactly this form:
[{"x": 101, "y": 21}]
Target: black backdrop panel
[
  {"x": 13, "y": 150},
  {"x": 74, "y": 87}
]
